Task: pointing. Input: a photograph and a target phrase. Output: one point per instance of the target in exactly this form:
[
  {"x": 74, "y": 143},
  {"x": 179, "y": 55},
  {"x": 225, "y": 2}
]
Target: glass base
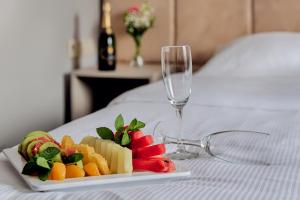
[
  {"x": 137, "y": 61},
  {"x": 182, "y": 155}
]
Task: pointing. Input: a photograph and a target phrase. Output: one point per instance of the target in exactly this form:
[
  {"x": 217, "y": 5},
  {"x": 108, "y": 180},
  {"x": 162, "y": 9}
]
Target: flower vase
[{"x": 137, "y": 60}]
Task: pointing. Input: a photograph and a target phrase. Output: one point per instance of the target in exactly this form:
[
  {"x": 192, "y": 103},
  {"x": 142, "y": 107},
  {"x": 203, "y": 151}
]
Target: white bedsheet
[{"x": 263, "y": 104}]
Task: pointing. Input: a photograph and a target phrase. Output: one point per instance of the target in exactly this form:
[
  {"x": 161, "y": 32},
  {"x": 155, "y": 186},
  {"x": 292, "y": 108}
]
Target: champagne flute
[
  {"x": 176, "y": 64},
  {"x": 234, "y": 146}
]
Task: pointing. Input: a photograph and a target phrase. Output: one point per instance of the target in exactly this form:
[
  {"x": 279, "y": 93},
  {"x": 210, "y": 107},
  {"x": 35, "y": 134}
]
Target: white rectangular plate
[{"x": 37, "y": 185}]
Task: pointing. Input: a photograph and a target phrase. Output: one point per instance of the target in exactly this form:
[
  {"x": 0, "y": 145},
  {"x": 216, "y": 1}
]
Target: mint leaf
[
  {"x": 125, "y": 139},
  {"x": 29, "y": 168},
  {"x": 139, "y": 125},
  {"x": 74, "y": 158},
  {"x": 43, "y": 176},
  {"x": 132, "y": 124},
  {"x": 105, "y": 133},
  {"x": 42, "y": 162},
  {"x": 49, "y": 153},
  {"x": 119, "y": 123}
]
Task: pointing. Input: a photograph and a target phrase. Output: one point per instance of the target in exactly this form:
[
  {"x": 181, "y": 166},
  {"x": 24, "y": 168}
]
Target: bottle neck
[{"x": 106, "y": 22}]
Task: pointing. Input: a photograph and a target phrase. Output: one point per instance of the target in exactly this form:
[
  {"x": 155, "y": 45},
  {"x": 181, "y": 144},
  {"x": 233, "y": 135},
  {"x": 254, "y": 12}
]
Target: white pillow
[{"x": 263, "y": 54}]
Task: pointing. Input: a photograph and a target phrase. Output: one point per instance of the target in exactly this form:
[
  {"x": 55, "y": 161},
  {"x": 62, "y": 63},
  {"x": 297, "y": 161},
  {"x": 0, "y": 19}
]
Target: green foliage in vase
[{"x": 137, "y": 20}]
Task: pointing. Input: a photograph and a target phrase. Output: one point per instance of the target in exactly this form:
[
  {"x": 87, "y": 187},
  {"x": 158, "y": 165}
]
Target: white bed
[{"x": 252, "y": 84}]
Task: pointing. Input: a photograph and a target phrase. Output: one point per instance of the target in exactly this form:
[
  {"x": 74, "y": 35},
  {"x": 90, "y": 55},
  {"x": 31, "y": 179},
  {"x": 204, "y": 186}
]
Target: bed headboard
[{"x": 205, "y": 25}]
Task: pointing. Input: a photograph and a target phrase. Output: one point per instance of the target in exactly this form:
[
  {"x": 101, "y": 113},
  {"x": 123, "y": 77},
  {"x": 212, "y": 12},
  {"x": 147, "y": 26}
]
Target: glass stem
[
  {"x": 180, "y": 145},
  {"x": 137, "y": 40}
]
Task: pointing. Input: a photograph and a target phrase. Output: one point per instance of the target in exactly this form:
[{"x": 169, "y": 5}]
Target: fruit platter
[{"x": 113, "y": 157}]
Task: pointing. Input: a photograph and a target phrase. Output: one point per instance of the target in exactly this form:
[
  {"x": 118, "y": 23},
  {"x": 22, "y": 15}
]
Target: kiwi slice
[
  {"x": 29, "y": 139},
  {"x": 28, "y": 154},
  {"x": 30, "y": 136}
]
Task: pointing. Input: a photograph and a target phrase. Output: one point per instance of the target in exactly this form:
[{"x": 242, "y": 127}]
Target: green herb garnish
[
  {"x": 121, "y": 136},
  {"x": 105, "y": 133},
  {"x": 74, "y": 158},
  {"x": 41, "y": 164},
  {"x": 29, "y": 168},
  {"x": 119, "y": 123},
  {"x": 49, "y": 153},
  {"x": 43, "y": 176},
  {"x": 139, "y": 125},
  {"x": 125, "y": 139},
  {"x": 133, "y": 124}
]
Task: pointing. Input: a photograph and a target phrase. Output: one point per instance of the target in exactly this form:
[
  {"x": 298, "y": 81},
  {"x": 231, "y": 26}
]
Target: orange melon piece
[
  {"x": 91, "y": 169},
  {"x": 58, "y": 171},
  {"x": 74, "y": 171}
]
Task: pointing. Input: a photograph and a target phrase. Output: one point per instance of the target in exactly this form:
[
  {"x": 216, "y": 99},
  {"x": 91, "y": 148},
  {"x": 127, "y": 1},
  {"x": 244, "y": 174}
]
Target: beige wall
[
  {"x": 206, "y": 25},
  {"x": 33, "y": 58}
]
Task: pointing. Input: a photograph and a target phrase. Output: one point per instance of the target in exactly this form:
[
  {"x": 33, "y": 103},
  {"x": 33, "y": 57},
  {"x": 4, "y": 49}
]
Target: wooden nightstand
[{"x": 91, "y": 89}]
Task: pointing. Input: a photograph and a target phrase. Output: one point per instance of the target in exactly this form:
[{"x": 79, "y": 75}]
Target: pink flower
[{"x": 133, "y": 9}]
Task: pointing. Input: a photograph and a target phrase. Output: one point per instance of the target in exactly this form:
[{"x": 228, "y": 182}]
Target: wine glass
[
  {"x": 234, "y": 146},
  {"x": 176, "y": 64}
]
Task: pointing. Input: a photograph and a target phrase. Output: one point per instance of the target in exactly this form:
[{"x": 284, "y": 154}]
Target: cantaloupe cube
[
  {"x": 91, "y": 169},
  {"x": 74, "y": 171}
]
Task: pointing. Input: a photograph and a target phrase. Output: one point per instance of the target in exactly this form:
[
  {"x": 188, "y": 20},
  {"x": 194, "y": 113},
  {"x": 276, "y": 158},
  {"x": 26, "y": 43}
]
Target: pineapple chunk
[
  {"x": 101, "y": 163},
  {"x": 67, "y": 142},
  {"x": 86, "y": 151}
]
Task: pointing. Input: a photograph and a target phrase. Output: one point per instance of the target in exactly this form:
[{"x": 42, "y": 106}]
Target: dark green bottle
[{"x": 106, "y": 42}]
